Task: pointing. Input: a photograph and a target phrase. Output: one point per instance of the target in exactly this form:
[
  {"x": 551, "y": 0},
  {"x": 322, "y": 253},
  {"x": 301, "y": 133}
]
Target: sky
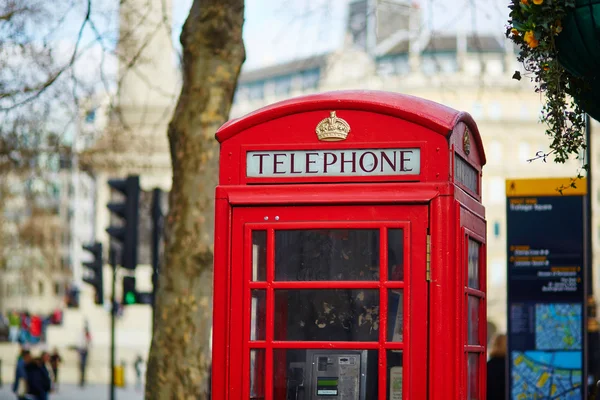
[{"x": 276, "y": 31}]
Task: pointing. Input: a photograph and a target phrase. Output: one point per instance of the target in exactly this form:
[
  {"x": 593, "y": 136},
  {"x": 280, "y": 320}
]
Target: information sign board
[{"x": 546, "y": 292}]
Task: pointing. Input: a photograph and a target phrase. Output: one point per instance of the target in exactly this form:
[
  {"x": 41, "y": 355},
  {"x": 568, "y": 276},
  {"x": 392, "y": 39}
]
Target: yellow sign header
[{"x": 545, "y": 187}]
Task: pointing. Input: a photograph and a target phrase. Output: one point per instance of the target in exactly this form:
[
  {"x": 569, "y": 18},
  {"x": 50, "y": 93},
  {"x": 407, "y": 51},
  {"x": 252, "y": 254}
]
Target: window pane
[
  {"x": 327, "y": 315},
  {"x": 473, "y": 376},
  {"x": 257, "y": 369},
  {"x": 259, "y": 255},
  {"x": 395, "y": 254},
  {"x": 395, "y": 315},
  {"x": 327, "y": 255},
  {"x": 320, "y": 374},
  {"x": 257, "y": 316},
  {"x": 473, "y": 264},
  {"x": 473, "y": 320},
  {"x": 394, "y": 373}
]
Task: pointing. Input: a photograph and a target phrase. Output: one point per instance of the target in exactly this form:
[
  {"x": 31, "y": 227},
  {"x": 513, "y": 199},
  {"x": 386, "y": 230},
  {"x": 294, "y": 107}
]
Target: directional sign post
[{"x": 546, "y": 289}]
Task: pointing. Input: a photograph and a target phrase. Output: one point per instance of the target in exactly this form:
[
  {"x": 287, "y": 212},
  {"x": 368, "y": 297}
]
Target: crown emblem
[
  {"x": 332, "y": 128},
  {"x": 466, "y": 142}
]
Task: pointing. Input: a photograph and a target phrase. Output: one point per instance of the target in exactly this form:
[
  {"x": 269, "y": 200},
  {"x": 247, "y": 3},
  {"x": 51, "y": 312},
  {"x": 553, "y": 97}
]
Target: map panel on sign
[
  {"x": 558, "y": 326},
  {"x": 546, "y": 375}
]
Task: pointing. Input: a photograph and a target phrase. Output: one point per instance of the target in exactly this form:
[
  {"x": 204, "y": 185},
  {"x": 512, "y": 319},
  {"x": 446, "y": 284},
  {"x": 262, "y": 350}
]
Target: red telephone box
[{"x": 350, "y": 252}]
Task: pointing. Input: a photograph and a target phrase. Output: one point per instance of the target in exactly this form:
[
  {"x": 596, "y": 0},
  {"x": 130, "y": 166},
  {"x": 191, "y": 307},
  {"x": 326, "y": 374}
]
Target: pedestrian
[
  {"x": 86, "y": 341},
  {"x": 138, "y": 365},
  {"x": 55, "y": 361},
  {"x": 45, "y": 357},
  {"x": 496, "y": 369},
  {"x": 20, "y": 388},
  {"x": 13, "y": 325},
  {"x": 38, "y": 380}
]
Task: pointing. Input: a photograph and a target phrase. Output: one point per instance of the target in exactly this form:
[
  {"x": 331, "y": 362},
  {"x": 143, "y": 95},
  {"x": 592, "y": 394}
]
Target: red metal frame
[
  {"x": 430, "y": 203},
  {"x": 349, "y": 217}
]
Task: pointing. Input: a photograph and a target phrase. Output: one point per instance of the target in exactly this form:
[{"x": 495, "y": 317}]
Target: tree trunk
[{"x": 213, "y": 53}]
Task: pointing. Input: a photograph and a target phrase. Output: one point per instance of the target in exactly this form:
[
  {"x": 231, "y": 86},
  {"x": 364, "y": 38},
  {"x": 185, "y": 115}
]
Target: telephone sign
[{"x": 333, "y": 163}]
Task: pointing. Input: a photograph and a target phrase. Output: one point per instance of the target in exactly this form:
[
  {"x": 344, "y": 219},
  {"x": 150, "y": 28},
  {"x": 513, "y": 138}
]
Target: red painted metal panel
[
  {"x": 333, "y": 194},
  {"x": 444, "y": 323},
  {"x": 221, "y": 297},
  {"x": 433, "y": 116}
]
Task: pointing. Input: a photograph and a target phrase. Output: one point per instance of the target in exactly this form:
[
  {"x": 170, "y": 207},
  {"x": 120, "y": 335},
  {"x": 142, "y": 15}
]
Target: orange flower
[
  {"x": 525, "y": 2},
  {"x": 514, "y": 32},
  {"x": 531, "y": 40},
  {"x": 557, "y": 26},
  {"x": 538, "y": 2}
]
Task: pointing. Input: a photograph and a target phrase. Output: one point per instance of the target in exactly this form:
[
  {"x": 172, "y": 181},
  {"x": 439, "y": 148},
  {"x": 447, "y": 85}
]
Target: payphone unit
[{"x": 327, "y": 374}]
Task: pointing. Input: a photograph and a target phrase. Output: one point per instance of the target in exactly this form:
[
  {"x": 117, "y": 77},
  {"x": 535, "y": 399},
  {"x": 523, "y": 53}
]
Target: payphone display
[{"x": 329, "y": 374}]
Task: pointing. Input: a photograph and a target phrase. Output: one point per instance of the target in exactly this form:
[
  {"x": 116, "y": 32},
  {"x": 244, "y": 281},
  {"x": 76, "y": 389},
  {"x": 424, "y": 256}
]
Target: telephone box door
[{"x": 332, "y": 304}]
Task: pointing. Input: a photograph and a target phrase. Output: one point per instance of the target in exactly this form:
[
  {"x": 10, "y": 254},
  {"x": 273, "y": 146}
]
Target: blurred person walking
[
  {"x": 138, "y": 365},
  {"x": 55, "y": 361},
  {"x": 45, "y": 357},
  {"x": 38, "y": 380},
  {"x": 13, "y": 325},
  {"x": 86, "y": 341},
  {"x": 496, "y": 369},
  {"x": 20, "y": 387}
]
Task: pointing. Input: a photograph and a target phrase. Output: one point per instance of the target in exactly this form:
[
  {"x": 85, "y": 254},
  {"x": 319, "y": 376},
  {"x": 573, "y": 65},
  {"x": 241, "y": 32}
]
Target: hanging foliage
[{"x": 534, "y": 26}]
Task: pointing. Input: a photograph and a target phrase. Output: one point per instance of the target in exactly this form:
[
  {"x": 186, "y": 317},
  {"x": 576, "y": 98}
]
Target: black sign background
[{"x": 543, "y": 233}]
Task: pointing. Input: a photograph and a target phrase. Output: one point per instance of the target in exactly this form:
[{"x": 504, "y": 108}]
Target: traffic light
[
  {"x": 128, "y": 211},
  {"x": 93, "y": 273},
  {"x": 129, "y": 292}
]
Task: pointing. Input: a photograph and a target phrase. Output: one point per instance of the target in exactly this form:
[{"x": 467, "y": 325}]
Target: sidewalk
[{"x": 74, "y": 392}]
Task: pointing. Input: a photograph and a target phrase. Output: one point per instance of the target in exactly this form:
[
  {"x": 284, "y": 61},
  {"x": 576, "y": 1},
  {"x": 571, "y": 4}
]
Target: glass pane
[
  {"x": 259, "y": 255},
  {"x": 473, "y": 264},
  {"x": 473, "y": 376},
  {"x": 257, "y": 315},
  {"x": 395, "y": 254},
  {"x": 327, "y": 315},
  {"x": 257, "y": 375},
  {"x": 327, "y": 255},
  {"x": 318, "y": 374},
  {"x": 395, "y": 315},
  {"x": 473, "y": 320},
  {"x": 394, "y": 373}
]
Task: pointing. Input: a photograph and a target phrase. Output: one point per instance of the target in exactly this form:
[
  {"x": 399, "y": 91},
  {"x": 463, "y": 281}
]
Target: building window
[
  {"x": 256, "y": 90},
  {"x": 90, "y": 116},
  {"x": 447, "y": 63},
  {"x": 495, "y": 153},
  {"x": 524, "y": 152},
  {"x": 473, "y": 67},
  {"x": 283, "y": 85},
  {"x": 428, "y": 65},
  {"x": 494, "y": 67},
  {"x": 496, "y": 272},
  {"x": 310, "y": 79},
  {"x": 497, "y": 190},
  {"x": 495, "y": 111},
  {"x": 40, "y": 288},
  {"x": 496, "y": 229},
  {"x": 57, "y": 287},
  {"x": 477, "y": 110}
]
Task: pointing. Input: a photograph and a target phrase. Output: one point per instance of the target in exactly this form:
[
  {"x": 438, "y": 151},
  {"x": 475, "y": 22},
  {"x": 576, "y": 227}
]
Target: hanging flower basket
[{"x": 537, "y": 28}]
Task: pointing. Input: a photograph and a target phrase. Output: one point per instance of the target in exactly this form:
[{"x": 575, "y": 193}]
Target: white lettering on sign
[{"x": 363, "y": 162}]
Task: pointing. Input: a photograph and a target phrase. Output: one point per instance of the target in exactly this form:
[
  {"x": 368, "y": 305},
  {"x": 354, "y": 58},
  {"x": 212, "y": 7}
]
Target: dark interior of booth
[{"x": 333, "y": 314}]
